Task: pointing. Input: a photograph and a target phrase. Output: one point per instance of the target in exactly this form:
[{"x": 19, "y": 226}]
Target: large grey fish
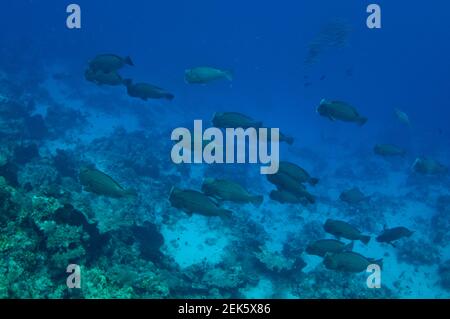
[
  {"x": 281, "y": 137},
  {"x": 202, "y": 75},
  {"x": 287, "y": 183},
  {"x": 388, "y": 150},
  {"x": 234, "y": 120},
  {"x": 296, "y": 172},
  {"x": 402, "y": 117},
  {"x": 338, "y": 110},
  {"x": 323, "y": 246},
  {"x": 146, "y": 91},
  {"x": 428, "y": 166},
  {"x": 342, "y": 229},
  {"x": 95, "y": 181},
  {"x": 285, "y": 197},
  {"x": 349, "y": 261},
  {"x": 103, "y": 78},
  {"x": 192, "y": 201},
  {"x": 389, "y": 235},
  {"x": 109, "y": 62},
  {"x": 229, "y": 191}
]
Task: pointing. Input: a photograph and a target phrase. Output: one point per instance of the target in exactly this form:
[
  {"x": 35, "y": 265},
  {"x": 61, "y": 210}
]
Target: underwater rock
[
  {"x": 321, "y": 284},
  {"x": 61, "y": 119},
  {"x": 35, "y": 127},
  {"x": 444, "y": 274},
  {"x": 296, "y": 243},
  {"x": 24, "y": 154},
  {"x": 150, "y": 241},
  {"x": 226, "y": 279},
  {"x": 276, "y": 262},
  {"x": 418, "y": 252},
  {"x": 441, "y": 222},
  {"x": 65, "y": 163},
  {"x": 38, "y": 176},
  {"x": 10, "y": 172},
  {"x": 68, "y": 215},
  {"x": 8, "y": 205}
]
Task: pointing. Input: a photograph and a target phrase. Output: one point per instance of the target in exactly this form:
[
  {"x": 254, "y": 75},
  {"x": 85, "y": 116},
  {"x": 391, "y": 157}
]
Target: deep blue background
[{"x": 405, "y": 64}]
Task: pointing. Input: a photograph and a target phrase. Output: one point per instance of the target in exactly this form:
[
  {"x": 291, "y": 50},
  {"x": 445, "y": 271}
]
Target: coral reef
[
  {"x": 418, "y": 252},
  {"x": 444, "y": 274}
]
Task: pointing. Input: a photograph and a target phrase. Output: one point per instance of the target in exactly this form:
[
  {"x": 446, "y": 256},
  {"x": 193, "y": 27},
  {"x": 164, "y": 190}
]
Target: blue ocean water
[{"x": 285, "y": 57}]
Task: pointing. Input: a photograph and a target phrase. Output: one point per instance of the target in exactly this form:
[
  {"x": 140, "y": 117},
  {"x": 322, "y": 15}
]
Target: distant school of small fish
[{"x": 290, "y": 180}]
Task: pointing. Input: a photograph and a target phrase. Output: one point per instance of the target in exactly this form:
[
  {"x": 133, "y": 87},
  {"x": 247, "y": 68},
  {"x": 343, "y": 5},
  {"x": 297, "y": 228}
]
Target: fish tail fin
[
  {"x": 289, "y": 140},
  {"x": 127, "y": 82},
  {"x": 362, "y": 121},
  {"x": 364, "y": 239},
  {"x": 414, "y": 165},
  {"x": 228, "y": 75},
  {"x": 313, "y": 181},
  {"x": 214, "y": 117},
  {"x": 131, "y": 192},
  {"x": 129, "y": 61},
  {"x": 225, "y": 214},
  {"x": 257, "y": 200},
  {"x": 349, "y": 247},
  {"x": 311, "y": 199}
]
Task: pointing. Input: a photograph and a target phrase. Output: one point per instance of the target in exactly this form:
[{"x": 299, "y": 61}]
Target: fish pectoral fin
[
  {"x": 392, "y": 244},
  {"x": 331, "y": 118},
  {"x": 216, "y": 200}
]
